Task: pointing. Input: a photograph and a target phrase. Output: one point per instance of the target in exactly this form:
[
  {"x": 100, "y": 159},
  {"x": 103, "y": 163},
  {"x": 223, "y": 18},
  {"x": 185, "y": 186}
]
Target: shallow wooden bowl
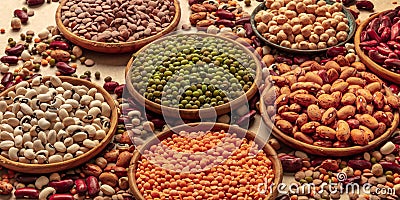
[
  {"x": 56, "y": 167},
  {"x": 350, "y": 17},
  {"x": 196, "y": 113},
  {"x": 205, "y": 126},
  {"x": 373, "y": 66},
  {"x": 121, "y": 47},
  {"x": 323, "y": 151}
]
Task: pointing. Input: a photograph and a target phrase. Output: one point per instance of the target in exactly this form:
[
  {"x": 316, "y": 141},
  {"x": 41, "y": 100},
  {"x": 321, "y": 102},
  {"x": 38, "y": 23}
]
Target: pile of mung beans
[
  {"x": 193, "y": 71},
  {"x": 234, "y": 173}
]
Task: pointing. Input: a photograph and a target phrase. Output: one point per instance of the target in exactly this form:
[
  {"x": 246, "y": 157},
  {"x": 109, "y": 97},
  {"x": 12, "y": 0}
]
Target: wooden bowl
[
  {"x": 121, "y": 47},
  {"x": 196, "y": 113},
  {"x": 350, "y": 17},
  {"x": 56, "y": 167},
  {"x": 323, "y": 151},
  {"x": 269, "y": 151},
  {"x": 373, "y": 66}
]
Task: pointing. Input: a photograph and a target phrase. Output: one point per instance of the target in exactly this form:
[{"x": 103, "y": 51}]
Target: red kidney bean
[
  {"x": 80, "y": 186},
  {"x": 373, "y": 35},
  {"x": 256, "y": 42},
  {"x": 393, "y": 56},
  {"x": 59, "y": 45},
  {"x": 27, "y": 193},
  {"x": 376, "y": 56},
  {"x": 22, "y": 15},
  {"x": 395, "y": 89},
  {"x": 364, "y": 36},
  {"x": 392, "y": 62},
  {"x": 395, "y": 31},
  {"x": 390, "y": 166},
  {"x": 7, "y": 77},
  {"x": 335, "y": 51},
  {"x": 383, "y": 50},
  {"x": 245, "y": 119},
  {"x": 364, "y": 4},
  {"x": 110, "y": 86},
  {"x": 324, "y": 61},
  {"x": 394, "y": 45},
  {"x": 385, "y": 36},
  {"x": 62, "y": 186},
  {"x": 26, "y": 179},
  {"x": 119, "y": 90},
  {"x": 370, "y": 48},
  {"x": 397, "y": 39},
  {"x": 291, "y": 164},
  {"x": 249, "y": 30},
  {"x": 355, "y": 13},
  {"x": 396, "y": 139},
  {"x": 34, "y": 2},
  {"x": 390, "y": 13},
  {"x": 224, "y": 14},
  {"x": 353, "y": 179},
  {"x": 385, "y": 22},
  {"x": 317, "y": 161},
  {"x": 225, "y": 22},
  {"x": 347, "y": 2},
  {"x": 93, "y": 186},
  {"x": 10, "y": 84},
  {"x": 359, "y": 164},
  {"x": 283, "y": 59},
  {"x": 61, "y": 197},
  {"x": 15, "y": 51},
  {"x": 298, "y": 60},
  {"x": 395, "y": 20},
  {"x": 370, "y": 43},
  {"x": 65, "y": 69},
  {"x": 374, "y": 24},
  {"x": 9, "y": 59},
  {"x": 324, "y": 76},
  {"x": 158, "y": 123},
  {"x": 243, "y": 21}
]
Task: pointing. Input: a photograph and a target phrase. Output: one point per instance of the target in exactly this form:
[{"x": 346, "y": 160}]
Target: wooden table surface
[{"x": 113, "y": 65}]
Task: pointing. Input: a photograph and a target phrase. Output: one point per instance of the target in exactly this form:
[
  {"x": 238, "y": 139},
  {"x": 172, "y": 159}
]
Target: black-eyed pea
[{"x": 358, "y": 137}]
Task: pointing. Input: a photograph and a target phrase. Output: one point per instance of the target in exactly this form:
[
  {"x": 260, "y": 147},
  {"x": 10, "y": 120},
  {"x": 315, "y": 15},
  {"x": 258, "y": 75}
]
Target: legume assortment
[
  {"x": 168, "y": 169},
  {"x": 193, "y": 71},
  {"x": 117, "y": 21}
]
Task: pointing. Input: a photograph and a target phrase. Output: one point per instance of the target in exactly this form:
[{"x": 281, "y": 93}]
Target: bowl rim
[
  {"x": 193, "y": 113},
  {"x": 68, "y": 164},
  {"x": 267, "y": 149},
  {"x": 350, "y": 35},
  {"x": 373, "y": 66},
  {"x": 120, "y": 45},
  {"x": 325, "y": 151}
]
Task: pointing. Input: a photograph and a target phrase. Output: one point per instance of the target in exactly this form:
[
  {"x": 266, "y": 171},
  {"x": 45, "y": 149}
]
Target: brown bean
[
  {"x": 109, "y": 179},
  {"x": 332, "y": 65},
  {"x": 290, "y": 116},
  {"x": 323, "y": 143},
  {"x": 312, "y": 77},
  {"x": 326, "y": 132},
  {"x": 382, "y": 117},
  {"x": 284, "y": 126},
  {"x": 282, "y": 100},
  {"x": 309, "y": 128},
  {"x": 346, "y": 112},
  {"x": 295, "y": 108},
  {"x": 367, "y": 132},
  {"x": 374, "y": 87},
  {"x": 341, "y": 87},
  {"x": 309, "y": 86},
  {"x": 353, "y": 88},
  {"x": 393, "y": 101},
  {"x": 305, "y": 99},
  {"x": 343, "y": 131},
  {"x": 124, "y": 159},
  {"x": 368, "y": 121},
  {"x": 329, "y": 116},
  {"x": 348, "y": 99},
  {"x": 356, "y": 81},
  {"x": 379, "y": 100},
  {"x": 349, "y": 72},
  {"x": 332, "y": 75},
  {"x": 361, "y": 104},
  {"x": 326, "y": 101},
  {"x": 92, "y": 170},
  {"x": 358, "y": 137},
  {"x": 304, "y": 138},
  {"x": 314, "y": 113},
  {"x": 380, "y": 130},
  {"x": 303, "y": 119},
  {"x": 353, "y": 123}
]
